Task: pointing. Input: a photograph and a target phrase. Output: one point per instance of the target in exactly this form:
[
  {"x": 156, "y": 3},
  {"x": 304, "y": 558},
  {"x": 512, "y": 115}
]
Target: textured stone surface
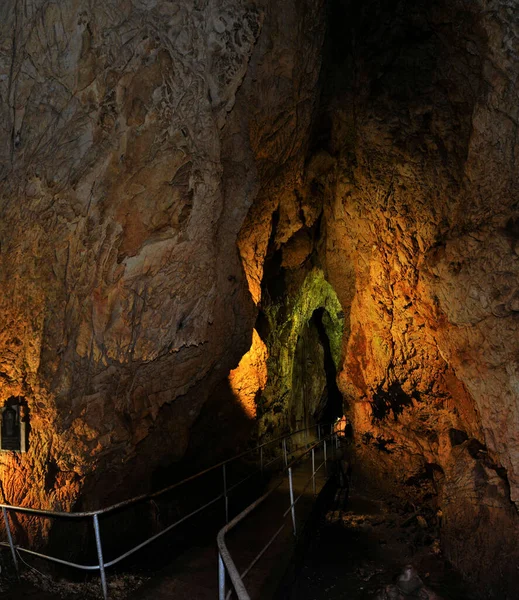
[
  {"x": 424, "y": 211},
  {"x": 295, "y": 395},
  {"x": 250, "y": 376},
  {"x": 164, "y": 167},
  {"x": 411, "y": 185},
  {"x": 135, "y": 136}
]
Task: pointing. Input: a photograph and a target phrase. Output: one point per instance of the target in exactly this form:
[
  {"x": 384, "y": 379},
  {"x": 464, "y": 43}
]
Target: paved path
[
  {"x": 194, "y": 575},
  {"x": 183, "y": 564}
]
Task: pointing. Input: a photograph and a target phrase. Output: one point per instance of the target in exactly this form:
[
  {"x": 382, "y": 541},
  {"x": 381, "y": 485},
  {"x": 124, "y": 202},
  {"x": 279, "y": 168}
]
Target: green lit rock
[{"x": 305, "y": 327}]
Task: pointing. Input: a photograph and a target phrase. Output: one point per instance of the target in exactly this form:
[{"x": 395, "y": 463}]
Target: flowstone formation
[{"x": 135, "y": 137}]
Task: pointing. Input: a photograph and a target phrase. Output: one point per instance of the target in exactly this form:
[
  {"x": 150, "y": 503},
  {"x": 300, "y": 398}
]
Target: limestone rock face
[
  {"x": 409, "y": 205},
  {"x": 172, "y": 170},
  {"x": 425, "y": 211},
  {"x": 135, "y": 136},
  {"x": 250, "y": 376}
]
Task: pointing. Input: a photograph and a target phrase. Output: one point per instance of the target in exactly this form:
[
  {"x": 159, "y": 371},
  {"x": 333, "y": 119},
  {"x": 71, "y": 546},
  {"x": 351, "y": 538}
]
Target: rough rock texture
[
  {"x": 424, "y": 211},
  {"x": 296, "y": 394},
  {"x": 158, "y": 159},
  {"x": 135, "y": 136},
  {"x": 250, "y": 376},
  {"x": 409, "y": 206}
]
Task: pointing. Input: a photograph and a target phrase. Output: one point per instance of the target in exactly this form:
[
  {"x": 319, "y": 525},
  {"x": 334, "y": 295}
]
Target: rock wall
[
  {"x": 424, "y": 212},
  {"x": 135, "y": 137},
  {"x": 408, "y": 204},
  {"x": 296, "y": 394},
  {"x": 170, "y": 170}
]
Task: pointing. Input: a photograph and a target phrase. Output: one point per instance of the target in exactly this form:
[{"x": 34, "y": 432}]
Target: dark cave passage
[
  {"x": 315, "y": 396},
  {"x": 333, "y": 400}
]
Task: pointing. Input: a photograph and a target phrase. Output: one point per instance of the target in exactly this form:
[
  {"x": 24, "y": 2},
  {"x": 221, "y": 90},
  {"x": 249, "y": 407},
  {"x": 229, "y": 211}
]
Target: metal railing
[
  {"x": 102, "y": 565},
  {"x": 225, "y": 561}
]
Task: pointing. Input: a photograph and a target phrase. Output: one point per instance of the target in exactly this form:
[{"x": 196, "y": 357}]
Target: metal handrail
[
  {"x": 149, "y": 496},
  {"x": 225, "y": 561},
  {"x": 94, "y": 514}
]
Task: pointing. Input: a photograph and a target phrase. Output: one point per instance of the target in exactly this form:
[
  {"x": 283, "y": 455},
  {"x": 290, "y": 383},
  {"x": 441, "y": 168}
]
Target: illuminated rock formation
[
  {"x": 135, "y": 137},
  {"x": 250, "y": 376},
  {"x": 411, "y": 187},
  {"x": 183, "y": 187}
]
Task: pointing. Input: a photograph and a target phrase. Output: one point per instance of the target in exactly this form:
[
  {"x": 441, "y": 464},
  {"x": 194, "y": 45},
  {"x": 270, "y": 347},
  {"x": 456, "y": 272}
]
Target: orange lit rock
[
  {"x": 135, "y": 137},
  {"x": 413, "y": 179},
  {"x": 169, "y": 172},
  {"x": 250, "y": 376},
  {"x": 424, "y": 217}
]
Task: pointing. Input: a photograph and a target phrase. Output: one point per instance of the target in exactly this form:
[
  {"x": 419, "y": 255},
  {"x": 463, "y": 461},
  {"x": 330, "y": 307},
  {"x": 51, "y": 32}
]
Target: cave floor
[
  {"x": 194, "y": 574},
  {"x": 356, "y": 552},
  {"x": 349, "y": 549}
]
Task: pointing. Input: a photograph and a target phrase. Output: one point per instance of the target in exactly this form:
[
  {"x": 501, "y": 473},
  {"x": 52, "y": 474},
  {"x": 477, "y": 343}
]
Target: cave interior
[{"x": 222, "y": 222}]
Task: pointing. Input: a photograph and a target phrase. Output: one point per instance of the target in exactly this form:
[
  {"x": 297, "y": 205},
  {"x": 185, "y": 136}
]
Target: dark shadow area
[
  {"x": 394, "y": 400},
  {"x": 273, "y": 282},
  {"x": 262, "y": 325},
  {"x": 387, "y": 59},
  {"x": 359, "y": 549},
  {"x": 221, "y": 431},
  {"x": 333, "y": 408}
]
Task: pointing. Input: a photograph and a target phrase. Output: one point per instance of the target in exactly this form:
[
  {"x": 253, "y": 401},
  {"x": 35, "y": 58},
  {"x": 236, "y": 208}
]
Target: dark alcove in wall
[{"x": 316, "y": 397}]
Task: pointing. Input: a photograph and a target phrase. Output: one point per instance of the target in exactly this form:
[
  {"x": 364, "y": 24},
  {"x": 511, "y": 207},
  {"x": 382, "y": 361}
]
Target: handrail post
[
  {"x": 313, "y": 469},
  {"x": 292, "y": 506},
  {"x": 285, "y": 451},
  {"x": 221, "y": 578},
  {"x": 100, "y": 556},
  {"x": 226, "y": 499},
  {"x": 10, "y": 539}
]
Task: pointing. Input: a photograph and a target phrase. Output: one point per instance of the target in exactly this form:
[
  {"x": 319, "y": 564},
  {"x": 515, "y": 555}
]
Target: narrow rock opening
[
  {"x": 333, "y": 405},
  {"x": 316, "y": 396}
]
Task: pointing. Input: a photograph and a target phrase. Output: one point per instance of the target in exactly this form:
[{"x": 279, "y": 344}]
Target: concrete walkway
[{"x": 183, "y": 564}]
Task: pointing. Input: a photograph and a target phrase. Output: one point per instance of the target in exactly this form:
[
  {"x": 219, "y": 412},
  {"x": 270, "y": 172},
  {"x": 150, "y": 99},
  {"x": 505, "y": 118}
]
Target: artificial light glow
[{"x": 250, "y": 376}]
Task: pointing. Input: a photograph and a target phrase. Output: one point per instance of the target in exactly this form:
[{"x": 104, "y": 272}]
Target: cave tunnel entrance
[
  {"x": 316, "y": 396},
  {"x": 332, "y": 409}
]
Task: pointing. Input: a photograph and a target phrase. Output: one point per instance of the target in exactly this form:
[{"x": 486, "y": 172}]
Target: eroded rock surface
[
  {"x": 135, "y": 137},
  {"x": 166, "y": 166},
  {"x": 425, "y": 209},
  {"x": 411, "y": 185}
]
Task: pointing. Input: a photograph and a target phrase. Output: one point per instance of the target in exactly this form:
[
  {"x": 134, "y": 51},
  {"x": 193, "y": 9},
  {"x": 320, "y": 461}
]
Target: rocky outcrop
[
  {"x": 409, "y": 206},
  {"x": 424, "y": 211},
  {"x": 166, "y": 178},
  {"x": 135, "y": 138},
  {"x": 250, "y": 376}
]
